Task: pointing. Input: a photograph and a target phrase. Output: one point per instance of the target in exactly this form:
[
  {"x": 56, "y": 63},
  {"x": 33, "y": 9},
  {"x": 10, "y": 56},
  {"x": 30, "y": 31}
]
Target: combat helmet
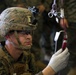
[{"x": 15, "y": 18}]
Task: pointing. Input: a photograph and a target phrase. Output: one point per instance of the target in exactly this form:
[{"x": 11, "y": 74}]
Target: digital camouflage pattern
[
  {"x": 25, "y": 65},
  {"x": 15, "y": 18}
]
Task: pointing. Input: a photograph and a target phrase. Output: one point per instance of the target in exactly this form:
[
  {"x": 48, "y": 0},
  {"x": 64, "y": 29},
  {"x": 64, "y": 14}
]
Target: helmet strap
[{"x": 16, "y": 35}]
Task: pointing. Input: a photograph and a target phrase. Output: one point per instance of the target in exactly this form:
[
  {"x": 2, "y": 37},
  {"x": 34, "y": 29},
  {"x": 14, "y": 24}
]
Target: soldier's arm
[
  {"x": 58, "y": 61},
  {"x": 47, "y": 71}
]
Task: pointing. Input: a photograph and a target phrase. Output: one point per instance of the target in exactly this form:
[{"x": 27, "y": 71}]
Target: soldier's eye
[{"x": 26, "y": 32}]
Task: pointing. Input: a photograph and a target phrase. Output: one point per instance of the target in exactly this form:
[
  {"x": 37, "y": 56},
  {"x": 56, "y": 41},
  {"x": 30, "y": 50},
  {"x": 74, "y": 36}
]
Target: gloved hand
[{"x": 59, "y": 60}]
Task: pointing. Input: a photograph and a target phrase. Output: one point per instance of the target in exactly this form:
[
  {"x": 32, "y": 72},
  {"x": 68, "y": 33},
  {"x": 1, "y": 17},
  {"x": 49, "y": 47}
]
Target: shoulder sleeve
[
  {"x": 40, "y": 73},
  {"x": 3, "y": 69},
  {"x": 32, "y": 63}
]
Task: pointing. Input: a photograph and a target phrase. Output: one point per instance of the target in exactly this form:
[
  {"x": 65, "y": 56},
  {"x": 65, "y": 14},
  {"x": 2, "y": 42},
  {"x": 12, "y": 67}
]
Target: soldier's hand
[{"x": 59, "y": 60}]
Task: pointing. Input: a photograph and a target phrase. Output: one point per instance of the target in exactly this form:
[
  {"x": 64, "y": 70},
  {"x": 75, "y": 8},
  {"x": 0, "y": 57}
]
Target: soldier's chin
[
  {"x": 24, "y": 48},
  {"x": 27, "y": 47}
]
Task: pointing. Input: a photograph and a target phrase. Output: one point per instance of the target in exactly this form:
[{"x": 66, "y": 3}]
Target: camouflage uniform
[
  {"x": 11, "y": 66},
  {"x": 16, "y": 18},
  {"x": 70, "y": 15}
]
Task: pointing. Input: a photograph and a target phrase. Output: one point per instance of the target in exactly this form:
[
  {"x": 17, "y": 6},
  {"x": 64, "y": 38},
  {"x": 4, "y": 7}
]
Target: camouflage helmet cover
[{"x": 15, "y": 18}]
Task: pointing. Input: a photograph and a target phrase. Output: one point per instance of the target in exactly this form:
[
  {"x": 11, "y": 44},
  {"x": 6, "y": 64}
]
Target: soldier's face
[{"x": 25, "y": 38}]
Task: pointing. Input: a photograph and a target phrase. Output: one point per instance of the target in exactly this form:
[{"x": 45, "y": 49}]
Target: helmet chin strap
[{"x": 20, "y": 46}]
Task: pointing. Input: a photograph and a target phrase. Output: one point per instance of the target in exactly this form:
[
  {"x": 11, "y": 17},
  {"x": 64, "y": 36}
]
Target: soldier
[
  {"x": 15, "y": 56},
  {"x": 70, "y": 23}
]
